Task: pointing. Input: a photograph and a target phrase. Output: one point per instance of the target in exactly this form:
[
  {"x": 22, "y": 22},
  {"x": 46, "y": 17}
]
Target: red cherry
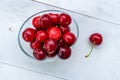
[
  {"x": 51, "y": 55},
  {"x": 45, "y": 21},
  {"x": 54, "y": 18},
  {"x": 29, "y": 34},
  {"x": 95, "y": 39},
  {"x": 54, "y": 33},
  {"x": 50, "y": 46},
  {"x": 64, "y": 29},
  {"x": 54, "y": 54},
  {"x": 35, "y": 45},
  {"x": 41, "y": 36},
  {"x": 36, "y": 22},
  {"x": 64, "y": 52},
  {"x": 39, "y": 54},
  {"x": 65, "y": 19},
  {"x": 62, "y": 43},
  {"x": 69, "y": 38}
]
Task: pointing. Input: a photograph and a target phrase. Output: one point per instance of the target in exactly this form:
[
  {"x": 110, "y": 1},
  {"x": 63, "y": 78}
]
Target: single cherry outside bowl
[{"x": 25, "y": 46}]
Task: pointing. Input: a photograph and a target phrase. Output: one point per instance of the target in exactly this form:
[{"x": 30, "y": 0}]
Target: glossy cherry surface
[
  {"x": 55, "y": 18},
  {"x": 54, "y": 33},
  {"x": 41, "y": 36},
  {"x": 39, "y": 54},
  {"x": 50, "y": 45},
  {"x": 29, "y": 34},
  {"x": 65, "y": 19},
  {"x": 35, "y": 45},
  {"x": 96, "y": 38},
  {"x": 69, "y": 38},
  {"x": 45, "y": 21},
  {"x": 36, "y": 22},
  {"x": 64, "y": 52},
  {"x": 64, "y": 29}
]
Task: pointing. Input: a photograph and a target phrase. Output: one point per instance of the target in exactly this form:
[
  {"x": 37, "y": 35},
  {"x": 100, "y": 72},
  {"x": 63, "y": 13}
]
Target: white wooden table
[{"x": 96, "y": 15}]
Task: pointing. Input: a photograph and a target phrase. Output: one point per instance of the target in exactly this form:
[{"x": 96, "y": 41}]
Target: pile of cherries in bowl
[{"x": 50, "y": 36}]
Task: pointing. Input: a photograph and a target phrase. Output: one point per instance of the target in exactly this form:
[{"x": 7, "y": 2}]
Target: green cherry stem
[{"x": 90, "y": 51}]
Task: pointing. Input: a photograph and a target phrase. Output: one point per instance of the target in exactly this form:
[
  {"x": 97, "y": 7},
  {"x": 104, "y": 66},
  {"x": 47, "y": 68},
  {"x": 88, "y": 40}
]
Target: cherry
[
  {"x": 41, "y": 36},
  {"x": 64, "y": 52},
  {"x": 62, "y": 43},
  {"x": 54, "y": 18},
  {"x": 64, "y": 29},
  {"x": 39, "y": 54},
  {"x": 54, "y": 54},
  {"x": 50, "y": 46},
  {"x": 65, "y": 19},
  {"x": 36, "y": 22},
  {"x": 54, "y": 33},
  {"x": 29, "y": 34},
  {"x": 95, "y": 39},
  {"x": 45, "y": 21},
  {"x": 51, "y": 55},
  {"x": 35, "y": 45},
  {"x": 69, "y": 38}
]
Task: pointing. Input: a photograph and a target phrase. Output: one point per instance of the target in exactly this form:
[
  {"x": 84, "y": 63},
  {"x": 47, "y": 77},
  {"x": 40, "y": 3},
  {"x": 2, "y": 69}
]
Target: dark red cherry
[
  {"x": 35, "y": 45},
  {"x": 36, "y": 22},
  {"x": 54, "y": 54},
  {"x": 54, "y": 33},
  {"x": 41, "y": 36},
  {"x": 39, "y": 54},
  {"x": 95, "y": 39},
  {"x": 62, "y": 43},
  {"x": 51, "y": 55},
  {"x": 55, "y": 18},
  {"x": 69, "y": 38},
  {"x": 45, "y": 21},
  {"x": 65, "y": 19},
  {"x": 50, "y": 46},
  {"x": 29, "y": 34},
  {"x": 64, "y": 29},
  {"x": 64, "y": 52}
]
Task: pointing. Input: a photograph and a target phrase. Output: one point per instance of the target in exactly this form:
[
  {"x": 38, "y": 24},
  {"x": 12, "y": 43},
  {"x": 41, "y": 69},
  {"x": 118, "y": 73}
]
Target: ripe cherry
[
  {"x": 54, "y": 33},
  {"x": 65, "y": 19},
  {"x": 35, "y": 45},
  {"x": 39, "y": 54},
  {"x": 53, "y": 54},
  {"x": 69, "y": 38},
  {"x": 36, "y": 22},
  {"x": 55, "y": 18},
  {"x": 64, "y": 29},
  {"x": 29, "y": 34},
  {"x": 41, "y": 36},
  {"x": 45, "y": 21},
  {"x": 64, "y": 52},
  {"x": 50, "y": 45},
  {"x": 62, "y": 43},
  {"x": 95, "y": 39}
]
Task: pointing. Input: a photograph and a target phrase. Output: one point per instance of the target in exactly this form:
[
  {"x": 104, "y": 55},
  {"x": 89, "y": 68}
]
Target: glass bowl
[{"x": 25, "y": 46}]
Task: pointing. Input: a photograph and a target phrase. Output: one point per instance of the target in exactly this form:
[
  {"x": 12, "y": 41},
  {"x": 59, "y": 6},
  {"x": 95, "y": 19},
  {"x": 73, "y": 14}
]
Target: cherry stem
[{"x": 90, "y": 51}]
